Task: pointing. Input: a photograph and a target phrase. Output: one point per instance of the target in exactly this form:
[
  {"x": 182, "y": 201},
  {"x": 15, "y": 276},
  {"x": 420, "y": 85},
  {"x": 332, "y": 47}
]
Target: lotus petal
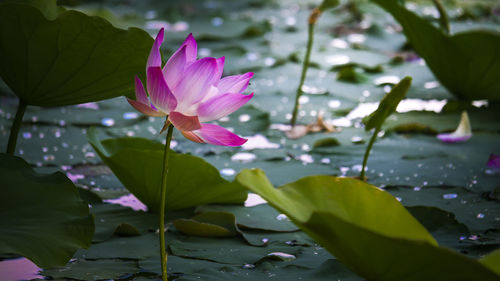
[
  {"x": 222, "y": 105},
  {"x": 161, "y": 96},
  {"x": 218, "y": 135},
  {"x": 183, "y": 122}
]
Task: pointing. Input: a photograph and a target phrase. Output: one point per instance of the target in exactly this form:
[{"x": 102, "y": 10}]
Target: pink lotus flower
[
  {"x": 461, "y": 134},
  {"x": 191, "y": 92}
]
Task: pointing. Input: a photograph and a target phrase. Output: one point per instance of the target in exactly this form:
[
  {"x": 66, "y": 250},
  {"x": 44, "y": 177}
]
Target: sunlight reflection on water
[
  {"x": 128, "y": 200},
  {"x": 18, "y": 269}
]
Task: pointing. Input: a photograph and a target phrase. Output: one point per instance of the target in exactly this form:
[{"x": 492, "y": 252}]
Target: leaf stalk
[{"x": 16, "y": 125}]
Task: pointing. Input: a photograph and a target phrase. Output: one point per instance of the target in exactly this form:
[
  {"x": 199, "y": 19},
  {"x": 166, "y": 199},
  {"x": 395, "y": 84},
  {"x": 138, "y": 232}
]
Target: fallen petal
[{"x": 461, "y": 134}]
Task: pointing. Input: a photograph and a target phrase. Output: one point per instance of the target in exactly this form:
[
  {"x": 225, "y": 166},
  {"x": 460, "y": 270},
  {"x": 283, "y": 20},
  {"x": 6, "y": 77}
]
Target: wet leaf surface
[{"x": 52, "y": 217}]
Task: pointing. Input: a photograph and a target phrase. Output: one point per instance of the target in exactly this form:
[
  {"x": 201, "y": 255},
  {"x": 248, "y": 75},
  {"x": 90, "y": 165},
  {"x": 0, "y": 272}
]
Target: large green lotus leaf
[
  {"x": 42, "y": 217},
  {"x": 492, "y": 261},
  {"x": 190, "y": 269},
  {"x": 103, "y": 269},
  {"x": 72, "y": 59},
  {"x": 260, "y": 217},
  {"x": 388, "y": 104},
  {"x": 226, "y": 250},
  {"x": 209, "y": 224},
  {"x": 466, "y": 63},
  {"x": 191, "y": 181},
  {"x": 365, "y": 228}
]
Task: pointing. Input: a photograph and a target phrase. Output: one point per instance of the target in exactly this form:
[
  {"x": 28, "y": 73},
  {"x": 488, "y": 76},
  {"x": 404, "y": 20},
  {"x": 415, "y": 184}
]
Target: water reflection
[
  {"x": 18, "y": 269},
  {"x": 128, "y": 200}
]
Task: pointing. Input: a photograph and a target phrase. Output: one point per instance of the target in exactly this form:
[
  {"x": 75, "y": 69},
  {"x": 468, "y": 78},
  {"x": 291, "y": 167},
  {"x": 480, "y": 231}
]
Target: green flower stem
[
  {"x": 163, "y": 194},
  {"x": 443, "y": 16},
  {"x": 16, "y": 125},
  {"x": 367, "y": 152},
  {"x": 312, "y": 22}
]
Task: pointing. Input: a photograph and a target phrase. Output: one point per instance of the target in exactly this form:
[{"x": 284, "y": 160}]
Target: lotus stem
[
  {"x": 163, "y": 194},
  {"x": 313, "y": 18},
  {"x": 367, "y": 152},
  {"x": 443, "y": 16},
  {"x": 16, "y": 125}
]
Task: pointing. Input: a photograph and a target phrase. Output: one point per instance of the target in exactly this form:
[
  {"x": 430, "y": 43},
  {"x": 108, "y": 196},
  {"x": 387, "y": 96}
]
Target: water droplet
[
  {"x": 480, "y": 103},
  {"x": 450, "y": 196},
  {"x": 344, "y": 170},
  {"x": 337, "y": 59},
  {"x": 227, "y": 172},
  {"x": 282, "y": 217},
  {"x": 180, "y": 26},
  {"x": 357, "y": 140},
  {"x": 480, "y": 216},
  {"x": 259, "y": 142},
  {"x": 254, "y": 200},
  {"x": 339, "y": 43},
  {"x": 244, "y": 118},
  {"x": 89, "y": 154},
  {"x": 264, "y": 240},
  {"x": 243, "y": 157},
  {"x": 325, "y": 160},
  {"x": 281, "y": 256},
  {"x": 334, "y": 104},
  {"x": 151, "y": 14},
  {"x": 290, "y": 21},
  {"x": 248, "y": 266},
  {"x": 49, "y": 157},
  {"x": 108, "y": 122},
  {"x": 473, "y": 237},
  {"x": 251, "y": 56},
  {"x": 313, "y": 90},
  {"x": 130, "y": 115},
  {"x": 269, "y": 61},
  {"x": 217, "y": 21},
  {"x": 303, "y": 100},
  {"x": 26, "y": 135},
  {"x": 204, "y": 52},
  {"x": 356, "y": 38},
  {"x": 387, "y": 79},
  {"x": 306, "y": 159}
]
